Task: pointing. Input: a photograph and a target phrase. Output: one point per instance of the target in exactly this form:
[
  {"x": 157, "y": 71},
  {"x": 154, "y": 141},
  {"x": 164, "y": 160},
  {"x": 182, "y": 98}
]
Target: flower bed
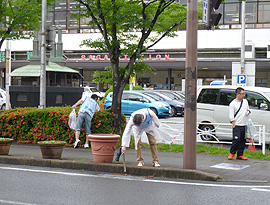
[{"x": 30, "y": 125}]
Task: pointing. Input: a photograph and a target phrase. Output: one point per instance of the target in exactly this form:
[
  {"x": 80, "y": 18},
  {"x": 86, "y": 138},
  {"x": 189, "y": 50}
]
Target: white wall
[{"x": 206, "y": 39}]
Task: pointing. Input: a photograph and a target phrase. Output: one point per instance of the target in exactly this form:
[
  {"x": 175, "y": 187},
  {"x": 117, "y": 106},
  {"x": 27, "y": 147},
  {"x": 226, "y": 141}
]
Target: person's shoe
[
  {"x": 86, "y": 146},
  {"x": 77, "y": 143},
  {"x": 156, "y": 164},
  {"x": 241, "y": 157},
  {"x": 140, "y": 164},
  {"x": 231, "y": 156}
]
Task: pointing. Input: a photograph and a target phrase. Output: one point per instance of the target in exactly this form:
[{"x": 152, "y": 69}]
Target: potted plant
[
  {"x": 5, "y": 145},
  {"x": 103, "y": 147},
  {"x": 51, "y": 149}
]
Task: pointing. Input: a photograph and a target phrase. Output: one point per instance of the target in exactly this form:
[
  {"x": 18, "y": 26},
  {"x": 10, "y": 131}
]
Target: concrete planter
[
  {"x": 103, "y": 147},
  {"x": 5, "y": 145},
  {"x": 51, "y": 150}
]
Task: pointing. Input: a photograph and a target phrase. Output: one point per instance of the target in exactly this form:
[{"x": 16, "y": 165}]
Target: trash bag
[
  {"x": 72, "y": 120},
  {"x": 251, "y": 129}
]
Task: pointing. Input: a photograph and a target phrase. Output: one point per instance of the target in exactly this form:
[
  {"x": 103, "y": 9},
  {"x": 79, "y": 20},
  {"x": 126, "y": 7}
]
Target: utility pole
[
  {"x": 8, "y": 69},
  {"x": 243, "y": 25},
  {"x": 190, "y": 119},
  {"x": 42, "y": 100}
]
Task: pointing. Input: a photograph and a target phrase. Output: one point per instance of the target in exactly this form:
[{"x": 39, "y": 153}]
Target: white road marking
[
  {"x": 15, "y": 202},
  {"x": 131, "y": 178},
  {"x": 255, "y": 189}
]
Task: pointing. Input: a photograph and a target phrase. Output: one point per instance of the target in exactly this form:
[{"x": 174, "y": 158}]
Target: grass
[{"x": 209, "y": 149}]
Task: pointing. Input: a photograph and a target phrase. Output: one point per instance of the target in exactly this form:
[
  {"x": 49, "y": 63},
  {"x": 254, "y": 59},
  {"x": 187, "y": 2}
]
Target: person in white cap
[{"x": 143, "y": 120}]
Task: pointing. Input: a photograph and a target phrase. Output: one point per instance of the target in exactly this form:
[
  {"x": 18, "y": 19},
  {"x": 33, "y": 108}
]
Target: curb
[{"x": 112, "y": 168}]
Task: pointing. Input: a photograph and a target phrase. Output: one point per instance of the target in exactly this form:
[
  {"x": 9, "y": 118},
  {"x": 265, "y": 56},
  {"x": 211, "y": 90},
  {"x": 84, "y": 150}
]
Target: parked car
[
  {"x": 132, "y": 101},
  {"x": 171, "y": 95},
  {"x": 180, "y": 94},
  {"x": 2, "y": 99},
  {"x": 92, "y": 90},
  {"x": 177, "y": 107},
  {"x": 213, "y": 107}
]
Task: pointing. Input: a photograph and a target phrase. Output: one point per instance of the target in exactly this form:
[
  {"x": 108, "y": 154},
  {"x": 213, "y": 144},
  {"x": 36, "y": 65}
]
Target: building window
[
  {"x": 59, "y": 99},
  {"x": 22, "y": 98}
]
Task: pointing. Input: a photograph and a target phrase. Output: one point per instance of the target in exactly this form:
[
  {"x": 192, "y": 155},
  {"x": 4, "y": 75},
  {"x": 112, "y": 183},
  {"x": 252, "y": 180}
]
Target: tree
[
  {"x": 19, "y": 18},
  {"x": 115, "y": 19}
]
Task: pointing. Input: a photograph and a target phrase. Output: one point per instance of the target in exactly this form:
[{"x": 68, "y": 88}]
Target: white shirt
[
  {"x": 241, "y": 117},
  {"x": 152, "y": 129}
]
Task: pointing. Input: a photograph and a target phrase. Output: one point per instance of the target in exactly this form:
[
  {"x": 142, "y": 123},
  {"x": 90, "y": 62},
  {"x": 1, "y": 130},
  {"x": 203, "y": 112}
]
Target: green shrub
[{"x": 30, "y": 125}]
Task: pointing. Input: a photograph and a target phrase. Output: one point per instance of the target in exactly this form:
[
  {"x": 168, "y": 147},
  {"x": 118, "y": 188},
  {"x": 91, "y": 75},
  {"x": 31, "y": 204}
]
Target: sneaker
[
  {"x": 156, "y": 164},
  {"x": 86, "y": 146},
  {"x": 241, "y": 157},
  {"x": 77, "y": 143},
  {"x": 231, "y": 156},
  {"x": 140, "y": 164}
]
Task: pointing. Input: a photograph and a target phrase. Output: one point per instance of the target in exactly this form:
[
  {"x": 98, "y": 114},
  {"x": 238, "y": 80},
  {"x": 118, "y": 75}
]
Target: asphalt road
[{"x": 26, "y": 185}]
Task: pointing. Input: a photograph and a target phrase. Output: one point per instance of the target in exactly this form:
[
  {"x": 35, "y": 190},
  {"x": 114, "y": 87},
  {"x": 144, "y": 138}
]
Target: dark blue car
[{"x": 177, "y": 106}]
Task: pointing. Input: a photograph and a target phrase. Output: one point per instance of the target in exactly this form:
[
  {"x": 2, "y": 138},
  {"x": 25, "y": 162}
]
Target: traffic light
[
  {"x": 50, "y": 37},
  {"x": 210, "y": 16}
]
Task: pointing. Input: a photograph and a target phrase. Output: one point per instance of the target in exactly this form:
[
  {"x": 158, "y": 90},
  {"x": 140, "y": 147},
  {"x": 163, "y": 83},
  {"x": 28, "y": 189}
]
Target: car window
[
  {"x": 171, "y": 95},
  {"x": 124, "y": 96},
  {"x": 208, "y": 96},
  {"x": 156, "y": 97},
  {"x": 226, "y": 96},
  {"x": 256, "y": 101},
  {"x": 134, "y": 97},
  {"x": 94, "y": 90}
]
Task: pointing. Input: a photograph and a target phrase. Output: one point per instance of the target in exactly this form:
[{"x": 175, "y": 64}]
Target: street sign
[
  {"x": 241, "y": 80},
  {"x": 205, "y": 12}
]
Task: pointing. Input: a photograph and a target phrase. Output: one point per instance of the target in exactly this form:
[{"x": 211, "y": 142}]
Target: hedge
[{"x": 30, "y": 125}]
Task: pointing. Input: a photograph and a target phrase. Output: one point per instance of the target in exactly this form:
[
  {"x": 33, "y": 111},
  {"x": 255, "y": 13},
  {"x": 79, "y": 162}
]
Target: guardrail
[{"x": 259, "y": 137}]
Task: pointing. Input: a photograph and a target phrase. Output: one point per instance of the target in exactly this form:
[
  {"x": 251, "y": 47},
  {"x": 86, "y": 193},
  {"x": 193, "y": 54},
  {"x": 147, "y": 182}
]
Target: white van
[{"x": 213, "y": 107}]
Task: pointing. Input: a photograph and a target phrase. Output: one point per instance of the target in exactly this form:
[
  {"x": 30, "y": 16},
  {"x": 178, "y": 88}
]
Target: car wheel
[
  {"x": 207, "y": 128},
  {"x": 173, "y": 112},
  {"x": 154, "y": 110},
  {"x": 3, "y": 107}
]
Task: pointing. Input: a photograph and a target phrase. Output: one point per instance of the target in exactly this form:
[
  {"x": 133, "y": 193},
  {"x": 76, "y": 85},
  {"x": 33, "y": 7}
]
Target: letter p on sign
[{"x": 241, "y": 79}]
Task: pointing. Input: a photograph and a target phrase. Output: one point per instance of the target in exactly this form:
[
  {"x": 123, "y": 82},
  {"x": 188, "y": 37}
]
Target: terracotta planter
[
  {"x": 103, "y": 147},
  {"x": 5, "y": 146},
  {"x": 51, "y": 151}
]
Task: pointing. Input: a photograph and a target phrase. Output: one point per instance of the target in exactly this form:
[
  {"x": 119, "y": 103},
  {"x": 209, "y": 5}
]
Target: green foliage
[
  {"x": 30, "y": 125},
  {"x": 23, "y": 18},
  {"x": 118, "y": 18},
  {"x": 106, "y": 76}
]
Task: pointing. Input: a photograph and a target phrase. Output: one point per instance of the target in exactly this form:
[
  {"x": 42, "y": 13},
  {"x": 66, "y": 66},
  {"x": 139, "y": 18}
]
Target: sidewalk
[{"x": 171, "y": 164}]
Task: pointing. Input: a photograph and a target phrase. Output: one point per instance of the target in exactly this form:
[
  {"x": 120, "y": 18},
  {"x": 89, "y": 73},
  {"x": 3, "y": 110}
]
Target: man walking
[
  {"x": 143, "y": 120},
  {"x": 238, "y": 112},
  {"x": 86, "y": 113}
]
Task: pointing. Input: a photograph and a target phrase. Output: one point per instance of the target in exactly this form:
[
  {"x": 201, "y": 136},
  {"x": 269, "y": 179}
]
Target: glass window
[
  {"x": 251, "y": 12},
  {"x": 264, "y": 12},
  {"x": 256, "y": 101},
  {"x": 22, "y": 97},
  {"x": 208, "y": 96},
  {"x": 231, "y": 15},
  {"x": 226, "y": 96},
  {"x": 59, "y": 99},
  {"x": 60, "y": 18}
]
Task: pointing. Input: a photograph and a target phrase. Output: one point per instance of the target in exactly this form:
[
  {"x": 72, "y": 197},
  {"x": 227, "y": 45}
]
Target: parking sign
[{"x": 241, "y": 80}]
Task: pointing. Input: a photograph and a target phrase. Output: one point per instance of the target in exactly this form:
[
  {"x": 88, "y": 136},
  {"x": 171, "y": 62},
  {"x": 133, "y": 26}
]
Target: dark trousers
[{"x": 238, "y": 143}]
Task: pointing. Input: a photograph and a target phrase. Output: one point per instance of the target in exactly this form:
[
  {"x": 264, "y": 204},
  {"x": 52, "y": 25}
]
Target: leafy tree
[
  {"x": 115, "y": 19},
  {"x": 19, "y": 18},
  {"x": 106, "y": 76}
]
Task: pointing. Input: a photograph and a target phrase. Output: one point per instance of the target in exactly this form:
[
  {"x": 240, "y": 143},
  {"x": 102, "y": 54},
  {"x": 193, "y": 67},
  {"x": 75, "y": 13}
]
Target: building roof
[{"x": 34, "y": 70}]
